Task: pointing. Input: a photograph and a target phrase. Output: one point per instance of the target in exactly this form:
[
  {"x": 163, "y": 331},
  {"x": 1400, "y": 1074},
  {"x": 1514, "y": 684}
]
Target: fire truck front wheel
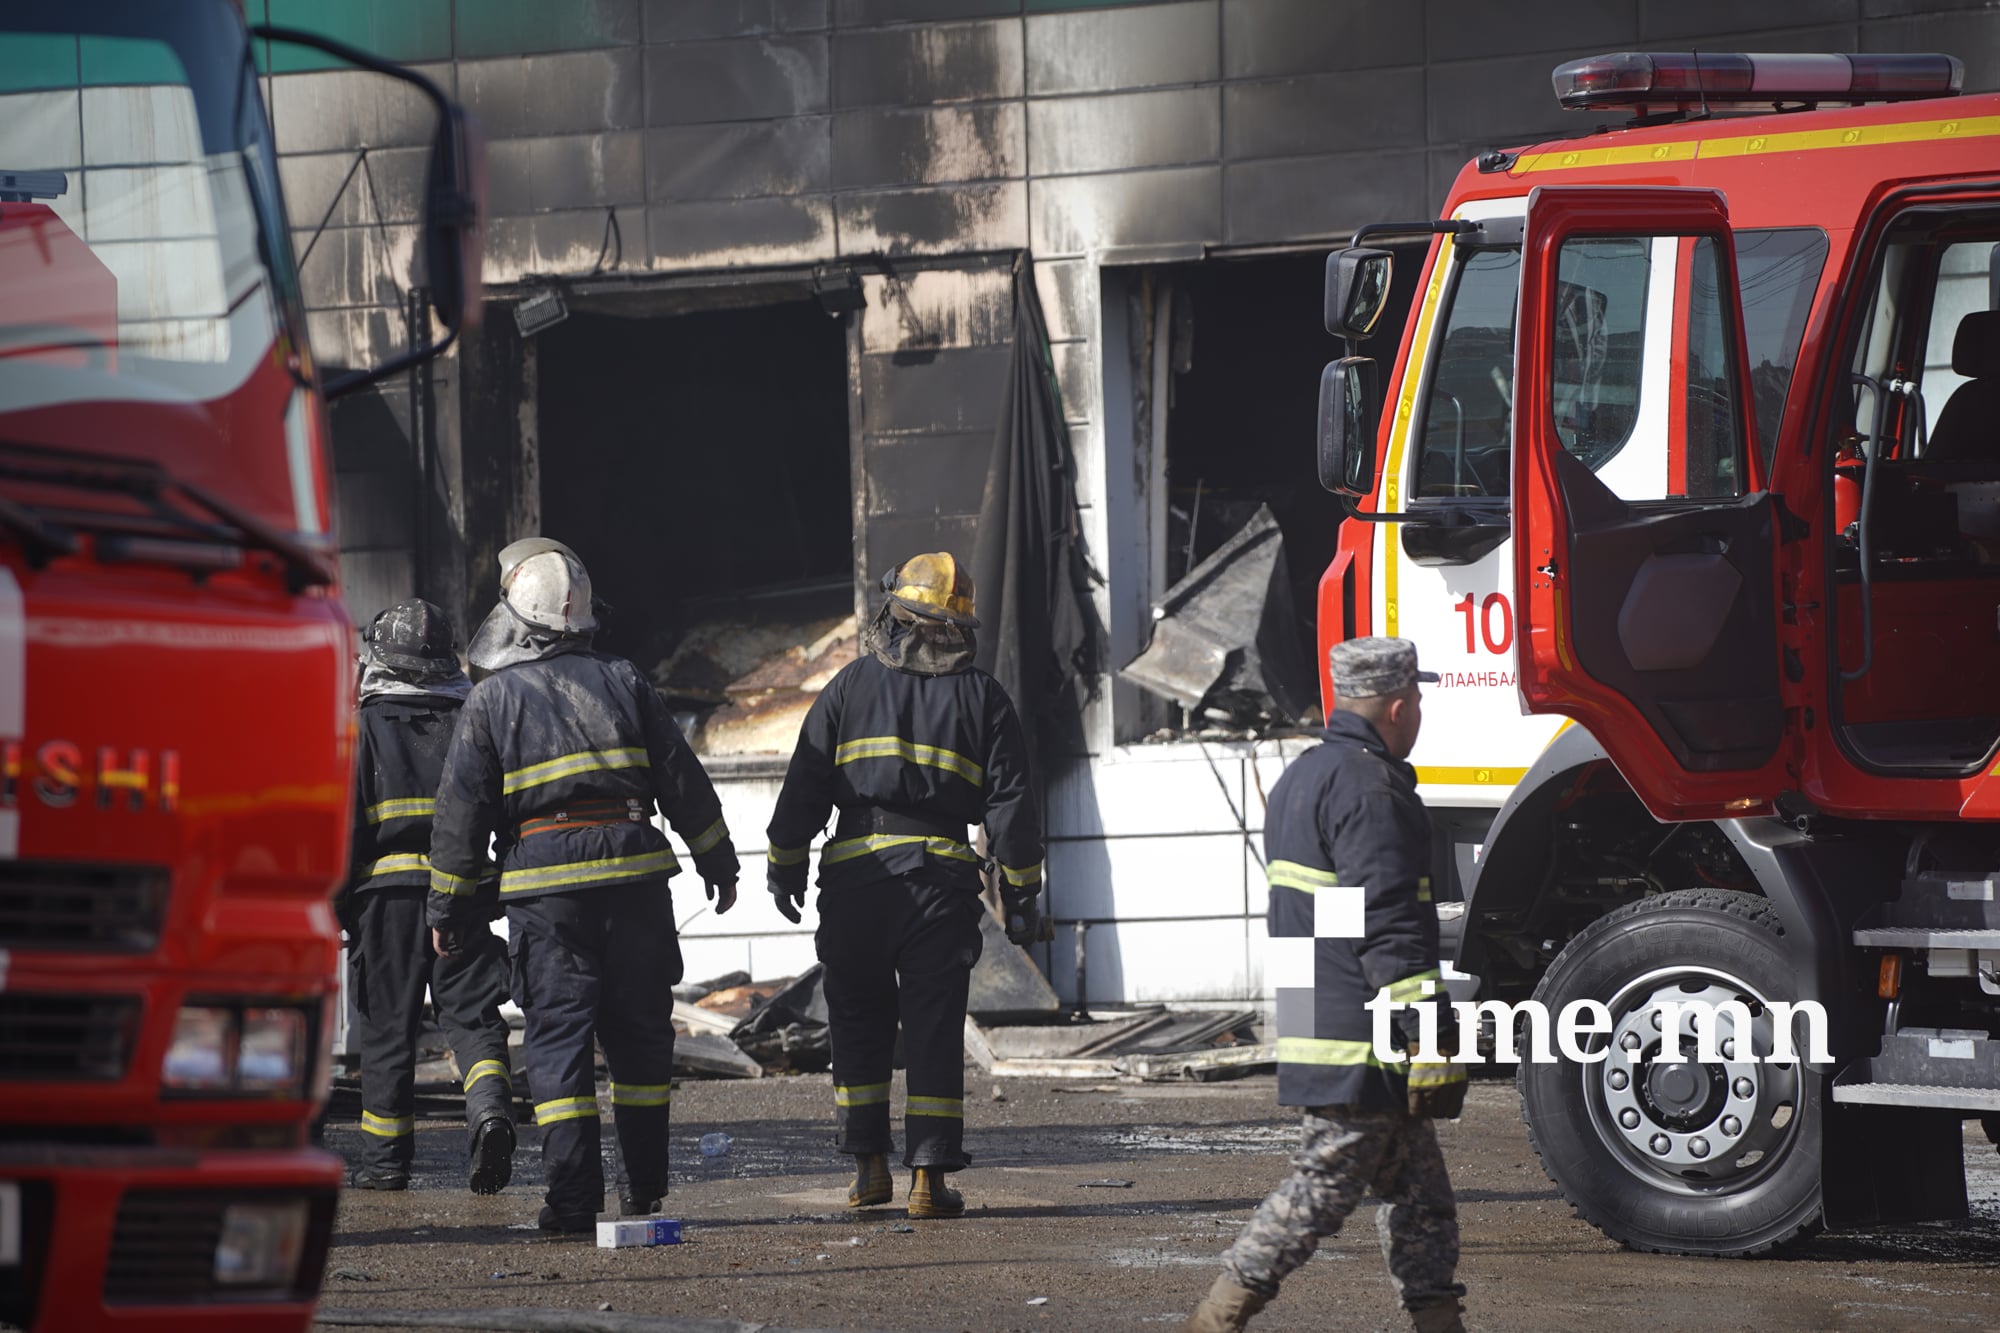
[{"x": 1712, "y": 1153}]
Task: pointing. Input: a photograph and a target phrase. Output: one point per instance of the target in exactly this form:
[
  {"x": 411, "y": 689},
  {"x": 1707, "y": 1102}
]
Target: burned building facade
[{"x": 750, "y": 276}]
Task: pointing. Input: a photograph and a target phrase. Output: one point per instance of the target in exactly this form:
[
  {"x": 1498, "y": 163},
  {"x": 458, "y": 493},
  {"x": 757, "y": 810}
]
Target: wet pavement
[{"x": 1108, "y": 1204}]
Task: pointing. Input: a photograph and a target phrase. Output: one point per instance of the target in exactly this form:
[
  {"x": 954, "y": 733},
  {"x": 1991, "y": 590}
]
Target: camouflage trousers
[{"x": 1345, "y": 1153}]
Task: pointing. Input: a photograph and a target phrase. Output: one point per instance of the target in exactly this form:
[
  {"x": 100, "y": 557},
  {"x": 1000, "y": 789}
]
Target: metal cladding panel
[
  {"x": 955, "y": 62},
  {"x": 894, "y": 538},
  {"x": 509, "y": 27},
  {"x": 752, "y": 78},
  {"x": 1075, "y": 380},
  {"x": 914, "y": 476},
  {"x": 567, "y": 242},
  {"x": 1157, "y": 962},
  {"x": 1181, "y": 875},
  {"x": 1305, "y": 197},
  {"x": 574, "y": 93},
  {"x": 891, "y": 146},
  {"x": 1709, "y": 18},
  {"x": 1330, "y": 113},
  {"x": 1167, "y": 790},
  {"x": 343, "y": 109},
  {"x": 686, "y": 20},
  {"x": 740, "y": 161},
  {"x": 865, "y": 13},
  {"x": 1178, "y": 205},
  {"x": 373, "y": 581},
  {"x": 354, "y": 335},
  {"x": 1070, "y": 136},
  {"x": 923, "y": 312},
  {"x": 374, "y": 509},
  {"x": 573, "y": 171},
  {"x": 390, "y": 188},
  {"x": 1261, "y": 38},
  {"x": 360, "y": 266},
  {"x": 954, "y": 391},
  {"x": 739, "y": 233},
  {"x": 946, "y": 220},
  {"x": 1441, "y": 168},
  {"x": 1498, "y": 101},
  {"x": 1097, "y": 50},
  {"x": 1973, "y": 37},
  {"x": 1468, "y": 29},
  {"x": 1069, "y": 298}
]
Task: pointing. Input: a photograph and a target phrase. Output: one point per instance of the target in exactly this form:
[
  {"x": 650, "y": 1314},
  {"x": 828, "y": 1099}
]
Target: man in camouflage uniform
[{"x": 1348, "y": 847}]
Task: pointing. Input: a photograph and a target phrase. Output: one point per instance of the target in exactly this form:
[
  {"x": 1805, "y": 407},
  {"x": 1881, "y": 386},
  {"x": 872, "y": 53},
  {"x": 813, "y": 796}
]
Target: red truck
[
  {"x": 1696, "y": 419},
  {"x": 176, "y": 677}
]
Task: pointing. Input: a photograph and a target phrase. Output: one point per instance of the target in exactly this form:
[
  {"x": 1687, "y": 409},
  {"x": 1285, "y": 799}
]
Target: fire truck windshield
[{"x": 142, "y": 242}]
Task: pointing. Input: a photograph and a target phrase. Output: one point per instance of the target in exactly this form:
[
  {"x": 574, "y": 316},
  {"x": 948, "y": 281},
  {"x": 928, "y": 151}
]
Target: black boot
[{"x": 492, "y": 1155}]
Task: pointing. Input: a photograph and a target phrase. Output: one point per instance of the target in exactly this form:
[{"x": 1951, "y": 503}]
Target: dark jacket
[
  {"x": 912, "y": 761},
  {"x": 399, "y": 758},
  {"x": 1347, "y": 847},
  {"x": 564, "y": 760}
]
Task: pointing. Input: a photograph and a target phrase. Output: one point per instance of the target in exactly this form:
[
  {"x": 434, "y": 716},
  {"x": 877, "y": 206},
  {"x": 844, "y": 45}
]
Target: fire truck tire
[{"x": 1718, "y": 1159}]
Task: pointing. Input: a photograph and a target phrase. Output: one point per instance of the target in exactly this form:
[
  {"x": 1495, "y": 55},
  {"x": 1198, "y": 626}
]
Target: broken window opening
[
  {"x": 1226, "y": 359},
  {"x": 698, "y": 463}
]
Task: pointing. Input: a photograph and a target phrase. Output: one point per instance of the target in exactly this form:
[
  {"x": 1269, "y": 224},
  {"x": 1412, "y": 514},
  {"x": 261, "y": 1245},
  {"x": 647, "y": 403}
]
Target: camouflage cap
[{"x": 1373, "y": 666}]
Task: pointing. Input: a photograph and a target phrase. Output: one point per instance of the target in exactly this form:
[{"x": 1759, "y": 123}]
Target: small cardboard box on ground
[{"x": 643, "y": 1231}]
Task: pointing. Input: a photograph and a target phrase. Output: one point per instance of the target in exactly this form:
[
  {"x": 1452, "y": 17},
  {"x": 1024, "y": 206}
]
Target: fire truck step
[
  {"x": 1918, "y": 1094},
  {"x": 1953, "y": 1068},
  {"x": 1922, "y": 937}
]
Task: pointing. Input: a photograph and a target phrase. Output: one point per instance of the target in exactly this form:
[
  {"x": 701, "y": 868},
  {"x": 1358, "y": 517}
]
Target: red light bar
[{"x": 1683, "y": 80}]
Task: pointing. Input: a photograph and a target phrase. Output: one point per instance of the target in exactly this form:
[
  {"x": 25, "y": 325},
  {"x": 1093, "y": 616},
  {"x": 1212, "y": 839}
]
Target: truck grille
[
  {"x": 21, "y": 1284},
  {"x": 56, "y": 905},
  {"x": 163, "y": 1247},
  {"x": 66, "y": 1036}
]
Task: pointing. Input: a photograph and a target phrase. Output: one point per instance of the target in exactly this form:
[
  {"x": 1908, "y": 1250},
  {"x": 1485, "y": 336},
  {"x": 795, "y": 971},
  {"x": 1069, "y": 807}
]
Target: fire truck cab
[{"x": 1693, "y": 440}]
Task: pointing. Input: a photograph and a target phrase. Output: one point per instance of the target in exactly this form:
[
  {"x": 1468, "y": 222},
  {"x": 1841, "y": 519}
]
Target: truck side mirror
[
  {"x": 1357, "y": 290},
  {"x": 453, "y": 231},
  {"x": 454, "y": 219},
  {"x": 1348, "y": 394}
]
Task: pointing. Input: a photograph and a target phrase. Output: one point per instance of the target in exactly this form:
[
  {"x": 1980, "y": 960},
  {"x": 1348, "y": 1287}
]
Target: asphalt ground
[{"x": 1094, "y": 1206}]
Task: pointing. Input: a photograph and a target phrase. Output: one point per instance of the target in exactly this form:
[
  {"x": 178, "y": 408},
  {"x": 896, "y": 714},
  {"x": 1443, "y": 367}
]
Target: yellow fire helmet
[{"x": 936, "y": 586}]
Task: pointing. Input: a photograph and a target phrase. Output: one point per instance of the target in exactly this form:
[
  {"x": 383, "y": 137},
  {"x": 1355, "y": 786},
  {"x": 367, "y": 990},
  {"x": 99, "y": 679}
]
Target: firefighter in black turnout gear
[
  {"x": 913, "y": 744},
  {"x": 564, "y": 754},
  {"x": 412, "y": 693}
]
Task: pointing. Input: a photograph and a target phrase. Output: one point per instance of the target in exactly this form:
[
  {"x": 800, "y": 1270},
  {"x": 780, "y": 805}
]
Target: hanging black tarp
[{"x": 1039, "y": 634}]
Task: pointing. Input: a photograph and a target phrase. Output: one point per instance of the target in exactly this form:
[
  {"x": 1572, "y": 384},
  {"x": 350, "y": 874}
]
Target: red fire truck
[
  {"x": 1693, "y": 440},
  {"x": 175, "y": 673}
]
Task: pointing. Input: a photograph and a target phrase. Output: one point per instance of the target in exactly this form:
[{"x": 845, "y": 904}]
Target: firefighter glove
[
  {"x": 723, "y": 895},
  {"x": 789, "y": 897},
  {"x": 1024, "y": 920},
  {"x": 446, "y": 941},
  {"x": 1437, "y": 1089}
]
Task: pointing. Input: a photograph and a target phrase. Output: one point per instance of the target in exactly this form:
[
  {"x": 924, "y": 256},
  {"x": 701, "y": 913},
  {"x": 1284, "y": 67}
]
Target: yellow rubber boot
[
  {"x": 931, "y": 1197},
  {"x": 1226, "y": 1309},
  {"x": 872, "y": 1185}
]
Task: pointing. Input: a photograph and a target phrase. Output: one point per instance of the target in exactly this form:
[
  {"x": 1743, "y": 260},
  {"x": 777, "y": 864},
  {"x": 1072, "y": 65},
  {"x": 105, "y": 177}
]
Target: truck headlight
[
  {"x": 230, "y": 1048},
  {"x": 273, "y": 1057},
  {"x": 202, "y": 1055},
  {"x": 260, "y": 1244}
]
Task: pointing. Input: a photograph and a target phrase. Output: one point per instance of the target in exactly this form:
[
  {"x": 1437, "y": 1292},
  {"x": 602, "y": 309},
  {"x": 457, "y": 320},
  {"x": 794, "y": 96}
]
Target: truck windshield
[
  {"x": 141, "y": 239},
  {"x": 1465, "y": 433}
]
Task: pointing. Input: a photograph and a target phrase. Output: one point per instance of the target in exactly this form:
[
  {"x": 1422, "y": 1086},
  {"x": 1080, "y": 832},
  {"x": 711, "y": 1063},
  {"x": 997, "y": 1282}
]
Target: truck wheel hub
[{"x": 1693, "y": 1125}]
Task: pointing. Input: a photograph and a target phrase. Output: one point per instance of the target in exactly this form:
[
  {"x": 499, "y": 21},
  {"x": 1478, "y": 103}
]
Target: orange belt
[{"x": 585, "y": 814}]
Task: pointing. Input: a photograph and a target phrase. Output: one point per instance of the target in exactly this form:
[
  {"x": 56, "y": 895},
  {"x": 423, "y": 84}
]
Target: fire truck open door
[{"x": 1644, "y": 532}]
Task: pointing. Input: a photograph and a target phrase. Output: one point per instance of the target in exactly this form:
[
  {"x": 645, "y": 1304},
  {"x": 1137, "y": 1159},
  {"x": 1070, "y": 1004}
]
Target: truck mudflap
[{"x": 163, "y": 1239}]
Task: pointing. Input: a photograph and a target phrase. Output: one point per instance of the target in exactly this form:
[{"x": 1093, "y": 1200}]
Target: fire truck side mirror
[
  {"x": 1349, "y": 403},
  {"x": 455, "y": 219},
  {"x": 1357, "y": 290}
]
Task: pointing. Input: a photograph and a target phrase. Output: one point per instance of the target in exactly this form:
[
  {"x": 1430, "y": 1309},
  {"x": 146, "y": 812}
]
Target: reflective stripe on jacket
[
  {"x": 934, "y": 755},
  {"x": 579, "y": 729},
  {"x": 1347, "y": 853},
  {"x": 400, "y": 754}
]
